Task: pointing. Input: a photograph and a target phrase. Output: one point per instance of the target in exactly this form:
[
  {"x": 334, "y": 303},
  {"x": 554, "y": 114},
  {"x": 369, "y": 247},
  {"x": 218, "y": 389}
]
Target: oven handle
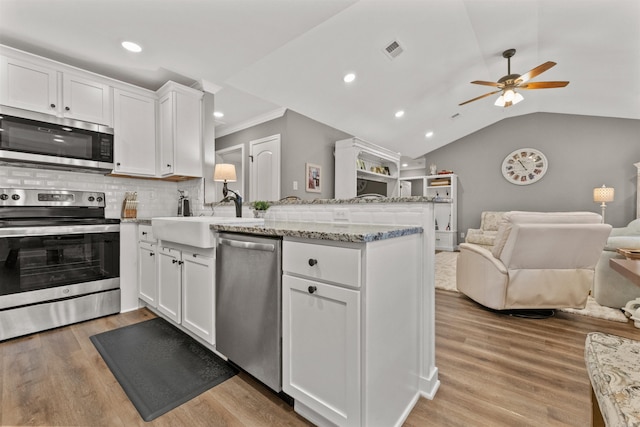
[{"x": 58, "y": 230}]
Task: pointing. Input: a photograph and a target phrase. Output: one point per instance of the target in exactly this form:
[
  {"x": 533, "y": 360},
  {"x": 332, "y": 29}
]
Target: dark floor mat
[{"x": 158, "y": 366}]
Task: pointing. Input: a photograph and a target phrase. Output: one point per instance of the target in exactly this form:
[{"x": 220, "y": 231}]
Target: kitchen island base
[{"x": 350, "y": 329}]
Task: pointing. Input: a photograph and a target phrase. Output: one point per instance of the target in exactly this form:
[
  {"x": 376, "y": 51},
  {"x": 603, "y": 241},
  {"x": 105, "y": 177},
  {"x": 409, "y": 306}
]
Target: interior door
[{"x": 265, "y": 168}]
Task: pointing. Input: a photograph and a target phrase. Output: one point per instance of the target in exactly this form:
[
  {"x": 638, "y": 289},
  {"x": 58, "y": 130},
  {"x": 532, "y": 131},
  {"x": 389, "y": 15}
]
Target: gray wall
[
  {"x": 303, "y": 140},
  {"x": 583, "y": 152}
]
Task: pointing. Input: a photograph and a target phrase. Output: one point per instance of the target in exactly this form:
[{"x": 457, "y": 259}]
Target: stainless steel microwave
[{"x": 34, "y": 139}]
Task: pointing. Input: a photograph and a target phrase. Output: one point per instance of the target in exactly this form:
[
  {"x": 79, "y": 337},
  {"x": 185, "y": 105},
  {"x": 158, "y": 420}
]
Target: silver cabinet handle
[{"x": 248, "y": 245}]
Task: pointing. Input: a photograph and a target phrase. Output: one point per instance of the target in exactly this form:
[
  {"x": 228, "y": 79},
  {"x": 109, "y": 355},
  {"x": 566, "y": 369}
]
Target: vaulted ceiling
[{"x": 273, "y": 54}]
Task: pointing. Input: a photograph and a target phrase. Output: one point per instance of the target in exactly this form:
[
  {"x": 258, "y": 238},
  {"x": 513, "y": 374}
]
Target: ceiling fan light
[
  {"x": 509, "y": 95},
  {"x": 500, "y": 101},
  {"x": 517, "y": 98}
]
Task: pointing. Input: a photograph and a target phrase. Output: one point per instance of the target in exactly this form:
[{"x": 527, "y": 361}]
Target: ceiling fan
[{"x": 509, "y": 83}]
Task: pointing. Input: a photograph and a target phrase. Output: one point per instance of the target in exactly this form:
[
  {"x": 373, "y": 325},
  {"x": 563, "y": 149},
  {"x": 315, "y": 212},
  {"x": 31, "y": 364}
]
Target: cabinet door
[
  {"x": 187, "y": 144},
  {"x": 180, "y": 134},
  {"x": 85, "y": 99},
  {"x": 134, "y": 125},
  {"x": 148, "y": 290},
  {"x": 170, "y": 283},
  {"x": 28, "y": 86},
  {"x": 166, "y": 133},
  {"x": 198, "y": 296},
  {"x": 321, "y": 348}
]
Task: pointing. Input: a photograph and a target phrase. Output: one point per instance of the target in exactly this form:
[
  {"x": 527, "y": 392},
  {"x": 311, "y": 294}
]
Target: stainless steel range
[{"x": 59, "y": 259}]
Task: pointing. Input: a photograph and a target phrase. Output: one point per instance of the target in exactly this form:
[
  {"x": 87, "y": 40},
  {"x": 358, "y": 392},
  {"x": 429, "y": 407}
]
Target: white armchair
[
  {"x": 485, "y": 236},
  {"x": 540, "y": 260},
  {"x": 610, "y": 288}
]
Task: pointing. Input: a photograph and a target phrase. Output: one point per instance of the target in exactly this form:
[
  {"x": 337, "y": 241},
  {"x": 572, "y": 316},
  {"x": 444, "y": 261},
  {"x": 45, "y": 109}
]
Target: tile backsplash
[{"x": 155, "y": 198}]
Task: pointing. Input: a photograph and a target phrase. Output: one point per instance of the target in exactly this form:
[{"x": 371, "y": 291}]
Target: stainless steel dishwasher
[{"x": 248, "y": 305}]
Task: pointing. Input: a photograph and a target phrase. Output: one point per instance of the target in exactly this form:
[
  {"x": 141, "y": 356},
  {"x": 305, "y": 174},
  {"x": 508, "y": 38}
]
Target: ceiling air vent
[{"x": 393, "y": 49}]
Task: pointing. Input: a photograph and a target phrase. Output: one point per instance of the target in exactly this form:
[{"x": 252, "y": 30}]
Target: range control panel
[{"x": 42, "y": 197}]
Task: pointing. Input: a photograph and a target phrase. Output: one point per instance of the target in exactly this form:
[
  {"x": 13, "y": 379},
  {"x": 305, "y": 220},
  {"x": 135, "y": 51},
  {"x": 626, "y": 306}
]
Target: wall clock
[{"x": 524, "y": 166}]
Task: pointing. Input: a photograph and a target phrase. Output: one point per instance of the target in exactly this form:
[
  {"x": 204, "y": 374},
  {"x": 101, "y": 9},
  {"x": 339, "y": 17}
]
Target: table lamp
[
  {"x": 602, "y": 195},
  {"x": 225, "y": 172}
]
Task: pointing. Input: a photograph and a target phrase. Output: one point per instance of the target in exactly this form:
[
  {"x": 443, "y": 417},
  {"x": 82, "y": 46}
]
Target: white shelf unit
[
  {"x": 444, "y": 190},
  {"x": 365, "y": 168}
]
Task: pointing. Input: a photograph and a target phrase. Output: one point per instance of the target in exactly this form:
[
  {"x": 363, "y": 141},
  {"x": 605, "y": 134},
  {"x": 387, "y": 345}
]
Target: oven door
[{"x": 47, "y": 263}]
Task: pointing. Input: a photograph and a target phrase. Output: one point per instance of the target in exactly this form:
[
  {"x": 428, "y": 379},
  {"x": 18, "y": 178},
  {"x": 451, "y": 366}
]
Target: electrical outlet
[
  {"x": 462, "y": 235},
  {"x": 341, "y": 214},
  {"x": 295, "y": 185}
]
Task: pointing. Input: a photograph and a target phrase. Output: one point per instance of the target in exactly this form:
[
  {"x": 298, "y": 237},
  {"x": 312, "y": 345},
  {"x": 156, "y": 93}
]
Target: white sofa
[
  {"x": 540, "y": 260},
  {"x": 610, "y": 288}
]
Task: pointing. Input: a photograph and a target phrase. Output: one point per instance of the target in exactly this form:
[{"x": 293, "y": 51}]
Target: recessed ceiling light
[
  {"x": 349, "y": 78},
  {"x": 132, "y": 47},
  {"x": 429, "y": 134},
  {"x": 404, "y": 165},
  {"x": 218, "y": 114},
  {"x": 399, "y": 113}
]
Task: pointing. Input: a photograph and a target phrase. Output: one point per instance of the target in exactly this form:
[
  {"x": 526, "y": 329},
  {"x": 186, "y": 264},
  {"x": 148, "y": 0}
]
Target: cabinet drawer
[
  {"x": 330, "y": 263},
  {"x": 145, "y": 234}
]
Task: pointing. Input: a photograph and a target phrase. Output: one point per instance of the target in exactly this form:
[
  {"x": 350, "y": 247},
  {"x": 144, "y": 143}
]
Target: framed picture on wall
[{"x": 313, "y": 178}]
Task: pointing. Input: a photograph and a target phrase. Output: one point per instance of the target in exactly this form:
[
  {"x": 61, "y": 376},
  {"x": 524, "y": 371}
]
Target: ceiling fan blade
[
  {"x": 481, "y": 96},
  {"x": 542, "y": 85},
  {"x": 481, "y": 82},
  {"x": 535, "y": 72}
]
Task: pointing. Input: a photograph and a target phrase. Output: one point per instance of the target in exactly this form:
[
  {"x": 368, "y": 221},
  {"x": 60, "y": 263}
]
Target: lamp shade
[
  {"x": 603, "y": 194},
  {"x": 225, "y": 172}
]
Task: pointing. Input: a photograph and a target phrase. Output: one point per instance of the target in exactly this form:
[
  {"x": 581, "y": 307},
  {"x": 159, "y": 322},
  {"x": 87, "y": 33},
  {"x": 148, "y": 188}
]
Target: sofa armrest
[
  {"x": 481, "y": 277},
  {"x": 486, "y": 256},
  {"x": 622, "y": 242}
]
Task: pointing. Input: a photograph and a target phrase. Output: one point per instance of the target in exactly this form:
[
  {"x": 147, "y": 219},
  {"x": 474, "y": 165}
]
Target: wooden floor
[{"x": 495, "y": 370}]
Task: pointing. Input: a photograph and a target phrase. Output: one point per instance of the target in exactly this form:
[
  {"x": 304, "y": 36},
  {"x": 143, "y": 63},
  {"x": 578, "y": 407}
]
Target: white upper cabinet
[
  {"x": 179, "y": 131},
  {"x": 134, "y": 123},
  {"x": 36, "y": 87},
  {"x": 85, "y": 99},
  {"x": 28, "y": 86},
  {"x": 156, "y": 134}
]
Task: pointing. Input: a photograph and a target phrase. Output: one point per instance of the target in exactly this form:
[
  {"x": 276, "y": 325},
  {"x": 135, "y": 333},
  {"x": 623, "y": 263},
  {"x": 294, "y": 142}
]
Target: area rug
[
  {"x": 158, "y": 366},
  {"x": 445, "y": 278}
]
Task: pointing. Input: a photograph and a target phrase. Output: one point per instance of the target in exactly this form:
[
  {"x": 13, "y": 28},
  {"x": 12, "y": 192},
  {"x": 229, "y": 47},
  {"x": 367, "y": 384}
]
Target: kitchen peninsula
[{"x": 357, "y": 304}]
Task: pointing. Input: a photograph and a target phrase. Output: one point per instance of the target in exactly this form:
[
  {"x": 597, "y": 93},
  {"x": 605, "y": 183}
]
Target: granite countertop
[
  {"x": 354, "y": 201},
  {"x": 357, "y": 233}
]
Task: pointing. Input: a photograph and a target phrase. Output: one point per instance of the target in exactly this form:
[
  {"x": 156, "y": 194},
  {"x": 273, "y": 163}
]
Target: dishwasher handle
[{"x": 248, "y": 245}]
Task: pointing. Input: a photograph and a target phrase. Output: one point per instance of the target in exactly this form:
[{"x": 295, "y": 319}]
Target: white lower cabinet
[
  {"x": 321, "y": 340},
  {"x": 147, "y": 277},
  {"x": 350, "y": 329},
  {"x": 170, "y": 283},
  {"x": 198, "y": 295},
  {"x": 186, "y": 295}
]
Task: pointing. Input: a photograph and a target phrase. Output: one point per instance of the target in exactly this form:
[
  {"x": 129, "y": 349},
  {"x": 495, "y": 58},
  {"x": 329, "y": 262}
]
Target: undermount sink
[{"x": 194, "y": 230}]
